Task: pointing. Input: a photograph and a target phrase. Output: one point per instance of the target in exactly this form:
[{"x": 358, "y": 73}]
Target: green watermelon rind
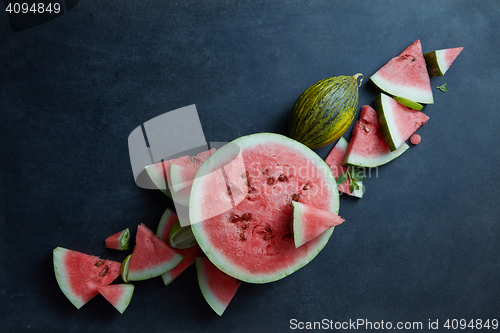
[
  {"x": 363, "y": 161},
  {"x": 126, "y": 296},
  {"x": 61, "y": 276},
  {"x": 407, "y": 92},
  {"x": 217, "y": 159},
  {"x": 207, "y": 292}
]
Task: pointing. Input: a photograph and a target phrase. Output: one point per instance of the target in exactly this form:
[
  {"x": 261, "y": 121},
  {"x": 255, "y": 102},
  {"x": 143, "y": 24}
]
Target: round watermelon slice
[
  {"x": 367, "y": 147},
  {"x": 80, "y": 275},
  {"x": 217, "y": 287},
  {"x": 439, "y": 61},
  {"x": 242, "y": 203},
  {"x": 406, "y": 76}
]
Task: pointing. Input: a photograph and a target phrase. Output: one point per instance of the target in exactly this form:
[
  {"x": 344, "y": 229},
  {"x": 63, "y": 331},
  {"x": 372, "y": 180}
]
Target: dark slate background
[{"x": 422, "y": 244}]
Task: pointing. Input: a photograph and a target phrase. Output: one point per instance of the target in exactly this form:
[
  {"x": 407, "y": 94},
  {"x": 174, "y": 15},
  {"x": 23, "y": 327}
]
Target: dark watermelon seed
[
  {"x": 282, "y": 178},
  {"x": 245, "y": 217},
  {"x": 104, "y": 271},
  {"x": 306, "y": 187},
  {"x": 99, "y": 263},
  {"x": 268, "y": 237},
  {"x": 270, "y": 181},
  {"x": 295, "y": 197}
]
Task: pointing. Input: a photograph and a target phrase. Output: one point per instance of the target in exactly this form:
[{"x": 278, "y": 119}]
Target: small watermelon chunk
[
  {"x": 160, "y": 172},
  {"x": 367, "y": 147},
  {"x": 118, "y": 241},
  {"x": 406, "y": 76},
  {"x": 119, "y": 295},
  {"x": 309, "y": 222},
  {"x": 439, "y": 61},
  {"x": 217, "y": 287},
  {"x": 151, "y": 256},
  {"x": 397, "y": 122},
  {"x": 167, "y": 221},
  {"x": 335, "y": 159},
  {"x": 80, "y": 275}
]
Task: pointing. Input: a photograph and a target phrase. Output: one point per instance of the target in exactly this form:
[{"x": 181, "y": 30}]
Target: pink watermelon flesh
[
  {"x": 217, "y": 287},
  {"x": 439, "y": 61},
  {"x": 160, "y": 172},
  {"x": 415, "y": 139},
  {"x": 119, "y": 295},
  {"x": 80, "y": 275},
  {"x": 335, "y": 160},
  {"x": 252, "y": 240},
  {"x": 151, "y": 256},
  {"x": 309, "y": 222},
  {"x": 397, "y": 122},
  {"x": 167, "y": 221},
  {"x": 406, "y": 76},
  {"x": 368, "y": 147},
  {"x": 118, "y": 241}
]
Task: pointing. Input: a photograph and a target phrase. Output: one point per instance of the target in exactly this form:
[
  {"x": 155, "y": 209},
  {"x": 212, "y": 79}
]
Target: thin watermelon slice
[
  {"x": 119, "y": 240},
  {"x": 309, "y": 222},
  {"x": 119, "y": 295},
  {"x": 406, "y": 76},
  {"x": 335, "y": 160},
  {"x": 80, "y": 275},
  {"x": 397, "y": 122},
  {"x": 248, "y": 234},
  {"x": 439, "y": 61},
  {"x": 167, "y": 221},
  {"x": 217, "y": 287},
  {"x": 367, "y": 147},
  {"x": 160, "y": 172},
  {"x": 151, "y": 256}
]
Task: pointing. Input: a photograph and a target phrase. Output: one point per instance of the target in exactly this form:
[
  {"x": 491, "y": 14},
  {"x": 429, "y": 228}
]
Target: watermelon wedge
[
  {"x": 439, "y": 61},
  {"x": 151, "y": 256},
  {"x": 119, "y": 295},
  {"x": 397, "y": 122},
  {"x": 309, "y": 222},
  {"x": 368, "y": 147},
  {"x": 335, "y": 160},
  {"x": 406, "y": 76},
  {"x": 80, "y": 275},
  {"x": 160, "y": 172},
  {"x": 167, "y": 221},
  {"x": 248, "y": 235},
  {"x": 217, "y": 287},
  {"x": 118, "y": 241}
]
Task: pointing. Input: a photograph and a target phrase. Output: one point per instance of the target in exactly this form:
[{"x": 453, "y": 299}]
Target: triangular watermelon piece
[
  {"x": 439, "y": 61},
  {"x": 160, "y": 172},
  {"x": 151, "y": 256},
  {"x": 335, "y": 160},
  {"x": 217, "y": 287},
  {"x": 367, "y": 147},
  {"x": 80, "y": 275},
  {"x": 309, "y": 222},
  {"x": 119, "y": 295},
  {"x": 167, "y": 221},
  {"x": 406, "y": 76},
  {"x": 397, "y": 122}
]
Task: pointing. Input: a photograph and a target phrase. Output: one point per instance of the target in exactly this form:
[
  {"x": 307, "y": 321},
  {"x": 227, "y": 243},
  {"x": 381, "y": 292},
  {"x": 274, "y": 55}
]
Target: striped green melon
[{"x": 324, "y": 111}]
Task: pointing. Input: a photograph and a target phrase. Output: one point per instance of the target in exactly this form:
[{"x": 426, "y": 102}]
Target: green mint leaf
[
  {"x": 357, "y": 174},
  {"x": 443, "y": 87},
  {"x": 353, "y": 185},
  {"x": 342, "y": 178}
]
